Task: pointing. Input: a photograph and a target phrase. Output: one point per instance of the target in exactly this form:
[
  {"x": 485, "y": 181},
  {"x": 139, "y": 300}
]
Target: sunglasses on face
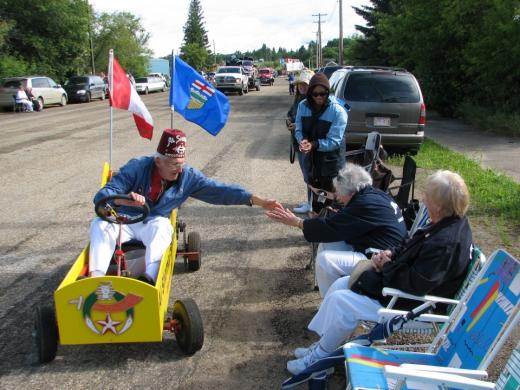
[{"x": 322, "y": 94}]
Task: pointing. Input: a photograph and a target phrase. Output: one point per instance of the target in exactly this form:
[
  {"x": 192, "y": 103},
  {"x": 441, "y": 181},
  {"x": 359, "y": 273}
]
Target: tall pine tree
[
  {"x": 194, "y": 31},
  {"x": 195, "y": 48}
]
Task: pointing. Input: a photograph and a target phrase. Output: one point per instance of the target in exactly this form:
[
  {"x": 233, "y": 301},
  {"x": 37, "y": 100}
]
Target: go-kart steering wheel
[{"x": 107, "y": 210}]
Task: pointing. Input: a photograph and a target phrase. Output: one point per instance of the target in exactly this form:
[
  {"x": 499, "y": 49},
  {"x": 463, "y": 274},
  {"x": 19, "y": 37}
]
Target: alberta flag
[{"x": 196, "y": 99}]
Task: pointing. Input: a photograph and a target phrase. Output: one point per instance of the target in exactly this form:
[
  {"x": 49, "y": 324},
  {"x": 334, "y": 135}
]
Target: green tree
[
  {"x": 123, "y": 32},
  {"x": 48, "y": 37},
  {"x": 195, "y": 48}
]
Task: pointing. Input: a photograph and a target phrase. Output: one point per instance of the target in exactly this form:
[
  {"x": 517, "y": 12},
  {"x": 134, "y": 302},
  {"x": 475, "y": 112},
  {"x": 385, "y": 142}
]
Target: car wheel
[
  {"x": 241, "y": 91},
  {"x": 89, "y": 98},
  {"x": 163, "y": 88},
  {"x": 63, "y": 101},
  {"x": 194, "y": 261},
  {"x": 257, "y": 87},
  {"x": 189, "y": 331},
  {"x": 103, "y": 95},
  {"x": 146, "y": 91},
  {"x": 45, "y": 333},
  {"x": 40, "y": 100}
]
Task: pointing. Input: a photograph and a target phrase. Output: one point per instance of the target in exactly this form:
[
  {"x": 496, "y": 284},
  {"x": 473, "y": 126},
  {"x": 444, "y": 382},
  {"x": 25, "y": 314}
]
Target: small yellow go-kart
[{"x": 119, "y": 308}]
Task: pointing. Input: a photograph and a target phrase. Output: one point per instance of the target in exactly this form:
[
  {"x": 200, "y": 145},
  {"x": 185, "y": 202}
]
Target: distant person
[
  {"x": 22, "y": 98},
  {"x": 131, "y": 78},
  {"x": 291, "y": 83},
  {"x": 35, "y": 102}
]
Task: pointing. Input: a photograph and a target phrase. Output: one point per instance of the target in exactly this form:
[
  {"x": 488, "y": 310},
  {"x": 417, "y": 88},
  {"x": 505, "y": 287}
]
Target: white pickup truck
[{"x": 231, "y": 79}]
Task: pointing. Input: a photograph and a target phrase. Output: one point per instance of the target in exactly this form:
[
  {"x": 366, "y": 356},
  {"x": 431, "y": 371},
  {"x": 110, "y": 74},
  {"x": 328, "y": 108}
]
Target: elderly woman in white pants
[{"x": 434, "y": 261}]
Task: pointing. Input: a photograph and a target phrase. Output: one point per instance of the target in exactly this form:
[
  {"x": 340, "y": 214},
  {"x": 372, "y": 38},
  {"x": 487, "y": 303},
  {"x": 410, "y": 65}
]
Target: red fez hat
[{"x": 172, "y": 143}]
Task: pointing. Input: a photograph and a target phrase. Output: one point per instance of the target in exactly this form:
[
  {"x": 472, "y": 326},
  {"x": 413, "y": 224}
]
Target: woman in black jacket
[{"x": 435, "y": 261}]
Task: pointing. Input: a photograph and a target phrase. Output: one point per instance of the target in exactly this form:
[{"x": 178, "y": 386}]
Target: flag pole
[
  {"x": 110, "y": 89},
  {"x": 172, "y": 108}
]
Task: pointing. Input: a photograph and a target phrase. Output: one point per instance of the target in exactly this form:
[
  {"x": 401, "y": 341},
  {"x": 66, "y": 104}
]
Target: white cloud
[{"x": 239, "y": 24}]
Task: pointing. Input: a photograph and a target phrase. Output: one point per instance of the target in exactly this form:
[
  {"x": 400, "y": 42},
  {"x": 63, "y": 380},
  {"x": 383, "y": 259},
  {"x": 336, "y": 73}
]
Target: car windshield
[
  {"x": 77, "y": 81},
  {"x": 247, "y": 63},
  {"x": 229, "y": 70},
  {"x": 141, "y": 80},
  {"x": 384, "y": 87},
  {"x": 264, "y": 71}
]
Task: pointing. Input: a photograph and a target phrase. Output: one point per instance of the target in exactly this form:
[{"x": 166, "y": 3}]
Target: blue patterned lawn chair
[
  {"x": 509, "y": 378},
  {"x": 475, "y": 332}
]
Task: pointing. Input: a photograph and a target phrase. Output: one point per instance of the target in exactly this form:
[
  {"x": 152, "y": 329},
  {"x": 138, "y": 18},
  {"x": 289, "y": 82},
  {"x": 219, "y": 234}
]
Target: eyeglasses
[
  {"x": 173, "y": 165},
  {"x": 322, "y": 94}
]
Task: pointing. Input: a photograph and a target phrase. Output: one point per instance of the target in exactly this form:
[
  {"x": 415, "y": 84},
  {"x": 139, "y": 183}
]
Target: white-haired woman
[
  {"x": 434, "y": 261},
  {"x": 369, "y": 218}
]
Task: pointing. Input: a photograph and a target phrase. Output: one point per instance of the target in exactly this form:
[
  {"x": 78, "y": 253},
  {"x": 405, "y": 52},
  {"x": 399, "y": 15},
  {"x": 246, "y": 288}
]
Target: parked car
[
  {"x": 44, "y": 89},
  {"x": 329, "y": 70},
  {"x": 149, "y": 84},
  {"x": 161, "y": 76},
  {"x": 266, "y": 76},
  {"x": 85, "y": 88},
  {"x": 232, "y": 79},
  {"x": 210, "y": 76},
  {"x": 383, "y": 99}
]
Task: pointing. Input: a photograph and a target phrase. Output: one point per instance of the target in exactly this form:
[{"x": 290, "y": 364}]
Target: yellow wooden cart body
[{"x": 113, "y": 309}]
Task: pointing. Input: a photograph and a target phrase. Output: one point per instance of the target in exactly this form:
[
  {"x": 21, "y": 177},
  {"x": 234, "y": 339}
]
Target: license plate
[{"x": 380, "y": 121}]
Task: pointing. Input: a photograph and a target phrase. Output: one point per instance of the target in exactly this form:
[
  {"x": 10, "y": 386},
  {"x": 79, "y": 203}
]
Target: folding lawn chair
[
  {"x": 429, "y": 323},
  {"x": 509, "y": 378},
  {"x": 475, "y": 332}
]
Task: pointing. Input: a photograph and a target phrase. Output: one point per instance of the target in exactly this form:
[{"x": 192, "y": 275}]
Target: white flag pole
[
  {"x": 171, "y": 89},
  {"x": 111, "y": 90}
]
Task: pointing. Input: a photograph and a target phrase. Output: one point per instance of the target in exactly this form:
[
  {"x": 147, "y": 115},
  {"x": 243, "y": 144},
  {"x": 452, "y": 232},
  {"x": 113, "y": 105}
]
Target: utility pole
[
  {"x": 214, "y": 53},
  {"x": 90, "y": 39},
  {"x": 341, "y": 32},
  {"x": 320, "y": 54},
  {"x": 317, "y": 51}
]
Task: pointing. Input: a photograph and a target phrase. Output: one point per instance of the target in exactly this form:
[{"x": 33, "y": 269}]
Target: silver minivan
[
  {"x": 44, "y": 89},
  {"x": 383, "y": 99}
]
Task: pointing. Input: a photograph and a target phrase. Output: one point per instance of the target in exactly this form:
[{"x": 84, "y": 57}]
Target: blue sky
[{"x": 239, "y": 24}]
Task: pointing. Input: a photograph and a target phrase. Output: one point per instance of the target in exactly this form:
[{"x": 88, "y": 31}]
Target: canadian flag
[{"x": 124, "y": 96}]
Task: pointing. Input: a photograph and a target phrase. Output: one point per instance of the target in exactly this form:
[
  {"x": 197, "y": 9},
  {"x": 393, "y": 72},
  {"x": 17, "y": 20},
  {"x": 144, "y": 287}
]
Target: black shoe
[{"x": 146, "y": 279}]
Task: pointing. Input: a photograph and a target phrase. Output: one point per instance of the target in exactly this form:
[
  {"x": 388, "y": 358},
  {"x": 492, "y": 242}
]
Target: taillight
[{"x": 422, "y": 117}]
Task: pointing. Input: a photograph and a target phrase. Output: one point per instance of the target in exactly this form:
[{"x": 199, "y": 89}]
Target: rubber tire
[
  {"x": 46, "y": 334},
  {"x": 257, "y": 87},
  {"x": 40, "y": 99},
  {"x": 247, "y": 88},
  {"x": 241, "y": 91},
  {"x": 163, "y": 88},
  {"x": 194, "y": 246},
  {"x": 89, "y": 97},
  {"x": 190, "y": 336},
  {"x": 63, "y": 101}
]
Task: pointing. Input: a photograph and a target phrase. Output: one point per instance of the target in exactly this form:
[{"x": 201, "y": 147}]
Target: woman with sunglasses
[{"x": 321, "y": 120}]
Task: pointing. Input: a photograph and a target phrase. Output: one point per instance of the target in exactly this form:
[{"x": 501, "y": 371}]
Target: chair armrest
[
  {"x": 424, "y": 298},
  {"x": 386, "y": 314},
  {"x": 436, "y": 378},
  {"x": 475, "y": 374}
]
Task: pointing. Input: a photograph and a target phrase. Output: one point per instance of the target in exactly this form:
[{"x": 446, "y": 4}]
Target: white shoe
[
  {"x": 301, "y": 352},
  {"x": 303, "y": 208},
  {"x": 298, "y": 365}
]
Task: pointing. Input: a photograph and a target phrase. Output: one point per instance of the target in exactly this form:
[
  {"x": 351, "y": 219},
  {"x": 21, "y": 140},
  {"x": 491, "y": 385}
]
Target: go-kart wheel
[
  {"x": 194, "y": 261},
  {"x": 107, "y": 209},
  {"x": 46, "y": 333},
  {"x": 189, "y": 332}
]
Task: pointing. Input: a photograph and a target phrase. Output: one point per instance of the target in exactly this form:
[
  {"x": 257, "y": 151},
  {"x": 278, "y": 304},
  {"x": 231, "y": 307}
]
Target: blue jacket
[
  {"x": 135, "y": 176},
  {"x": 327, "y": 131},
  {"x": 371, "y": 219}
]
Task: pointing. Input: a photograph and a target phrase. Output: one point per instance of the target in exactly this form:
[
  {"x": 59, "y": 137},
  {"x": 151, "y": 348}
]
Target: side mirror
[{"x": 58, "y": 86}]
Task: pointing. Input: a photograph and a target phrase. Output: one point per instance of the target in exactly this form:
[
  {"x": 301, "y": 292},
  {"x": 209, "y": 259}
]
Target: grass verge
[{"x": 494, "y": 197}]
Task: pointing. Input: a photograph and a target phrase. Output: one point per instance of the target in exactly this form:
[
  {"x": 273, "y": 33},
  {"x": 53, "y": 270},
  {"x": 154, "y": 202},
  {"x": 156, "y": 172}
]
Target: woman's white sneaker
[
  {"x": 301, "y": 352},
  {"x": 303, "y": 208}
]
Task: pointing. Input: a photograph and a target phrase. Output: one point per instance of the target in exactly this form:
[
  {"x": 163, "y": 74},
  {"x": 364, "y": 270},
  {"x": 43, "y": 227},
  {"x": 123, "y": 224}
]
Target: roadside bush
[{"x": 489, "y": 119}]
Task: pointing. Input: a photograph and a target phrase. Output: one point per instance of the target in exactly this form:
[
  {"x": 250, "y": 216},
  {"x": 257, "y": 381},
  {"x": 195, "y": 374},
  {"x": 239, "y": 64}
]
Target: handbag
[{"x": 359, "y": 269}]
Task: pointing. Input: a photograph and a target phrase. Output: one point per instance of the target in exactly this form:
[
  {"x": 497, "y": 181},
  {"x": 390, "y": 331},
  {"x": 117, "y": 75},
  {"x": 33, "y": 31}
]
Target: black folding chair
[{"x": 407, "y": 185}]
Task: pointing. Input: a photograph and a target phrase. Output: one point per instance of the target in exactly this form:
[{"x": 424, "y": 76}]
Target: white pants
[
  {"x": 155, "y": 234},
  {"x": 27, "y": 103},
  {"x": 335, "y": 260},
  {"x": 340, "y": 313}
]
